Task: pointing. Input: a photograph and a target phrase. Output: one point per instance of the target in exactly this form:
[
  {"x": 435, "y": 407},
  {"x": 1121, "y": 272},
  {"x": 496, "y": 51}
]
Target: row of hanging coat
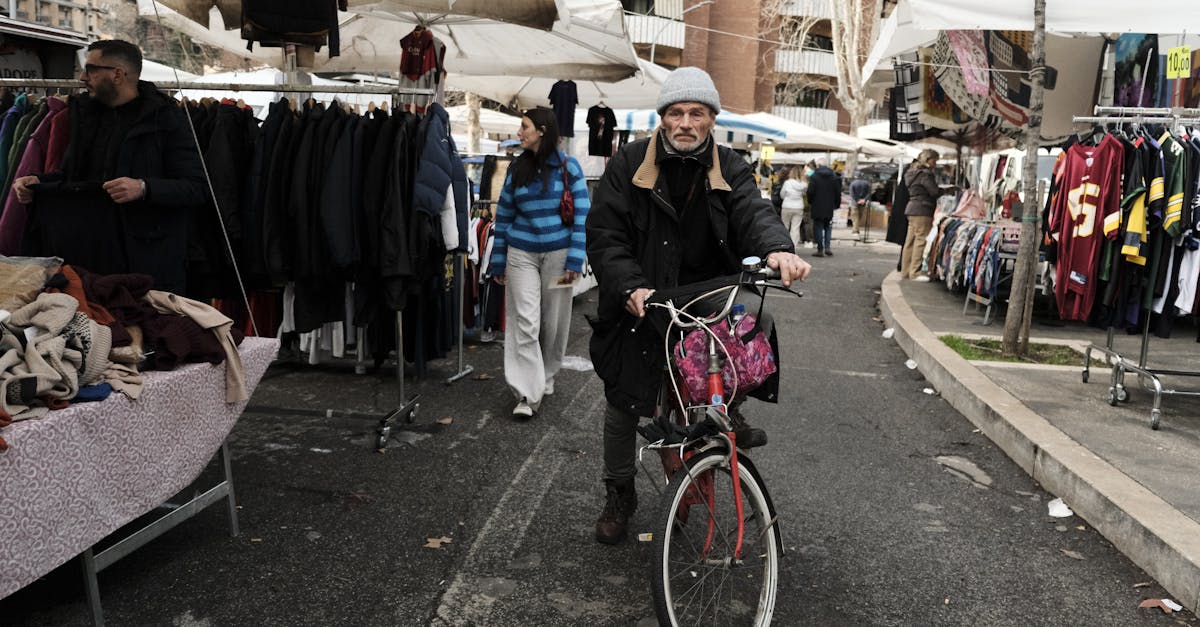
[{"x": 1122, "y": 227}]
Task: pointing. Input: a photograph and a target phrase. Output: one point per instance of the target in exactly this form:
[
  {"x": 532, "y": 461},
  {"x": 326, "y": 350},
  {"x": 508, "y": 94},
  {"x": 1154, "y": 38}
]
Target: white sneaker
[
  {"x": 809, "y": 245},
  {"x": 549, "y": 388},
  {"x": 522, "y": 410},
  {"x": 924, "y": 278}
]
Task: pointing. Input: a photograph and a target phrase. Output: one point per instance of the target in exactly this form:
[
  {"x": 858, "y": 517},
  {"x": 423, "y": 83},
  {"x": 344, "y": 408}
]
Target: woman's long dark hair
[{"x": 530, "y": 163}]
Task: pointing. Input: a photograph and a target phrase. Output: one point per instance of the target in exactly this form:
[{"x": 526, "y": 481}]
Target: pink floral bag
[{"x": 749, "y": 354}]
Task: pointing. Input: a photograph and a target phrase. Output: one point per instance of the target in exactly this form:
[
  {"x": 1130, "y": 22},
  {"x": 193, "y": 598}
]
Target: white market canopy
[
  {"x": 797, "y": 136},
  {"x": 523, "y": 92},
  {"x": 586, "y": 41},
  {"x": 490, "y": 121},
  {"x": 157, "y": 72},
  {"x": 731, "y": 128}
]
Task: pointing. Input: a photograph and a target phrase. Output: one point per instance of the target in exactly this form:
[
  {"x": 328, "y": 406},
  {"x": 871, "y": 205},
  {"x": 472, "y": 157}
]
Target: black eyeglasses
[{"x": 91, "y": 68}]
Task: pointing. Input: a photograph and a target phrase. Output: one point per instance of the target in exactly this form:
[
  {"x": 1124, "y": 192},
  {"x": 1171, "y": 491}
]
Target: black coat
[
  {"x": 633, "y": 241},
  {"x": 160, "y": 150},
  {"x": 824, "y": 194}
]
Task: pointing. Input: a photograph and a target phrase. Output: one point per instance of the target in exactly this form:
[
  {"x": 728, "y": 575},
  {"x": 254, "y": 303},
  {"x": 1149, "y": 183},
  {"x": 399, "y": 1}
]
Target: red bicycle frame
[{"x": 702, "y": 490}]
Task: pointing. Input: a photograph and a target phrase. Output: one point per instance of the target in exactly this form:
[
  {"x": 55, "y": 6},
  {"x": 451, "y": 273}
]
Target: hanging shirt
[
  {"x": 1086, "y": 210},
  {"x": 602, "y": 123},
  {"x": 564, "y": 97}
]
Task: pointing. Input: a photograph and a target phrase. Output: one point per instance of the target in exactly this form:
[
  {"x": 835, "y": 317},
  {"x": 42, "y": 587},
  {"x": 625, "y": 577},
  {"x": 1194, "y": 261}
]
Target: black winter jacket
[
  {"x": 824, "y": 193},
  {"x": 633, "y": 241},
  {"x": 160, "y": 150}
]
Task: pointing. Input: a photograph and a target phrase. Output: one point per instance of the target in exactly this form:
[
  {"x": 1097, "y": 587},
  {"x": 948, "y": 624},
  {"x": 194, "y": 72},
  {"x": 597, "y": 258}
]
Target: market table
[{"x": 78, "y": 474}]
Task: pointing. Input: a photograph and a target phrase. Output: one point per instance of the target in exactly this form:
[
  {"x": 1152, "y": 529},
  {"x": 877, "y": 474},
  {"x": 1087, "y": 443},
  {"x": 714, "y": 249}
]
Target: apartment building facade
[
  {"x": 39, "y": 38},
  {"x": 741, "y": 43}
]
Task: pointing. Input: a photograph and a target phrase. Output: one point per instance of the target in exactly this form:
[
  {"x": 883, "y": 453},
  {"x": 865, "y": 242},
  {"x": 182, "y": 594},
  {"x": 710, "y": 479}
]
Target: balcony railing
[
  {"x": 805, "y": 62},
  {"x": 824, "y": 119},
  {"x": 649, "y": 29},
  {"x": 809, "y": 8}
]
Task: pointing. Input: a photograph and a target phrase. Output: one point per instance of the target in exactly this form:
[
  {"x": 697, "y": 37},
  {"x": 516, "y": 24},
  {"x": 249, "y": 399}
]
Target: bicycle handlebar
[{"x": 754, "y": 273}]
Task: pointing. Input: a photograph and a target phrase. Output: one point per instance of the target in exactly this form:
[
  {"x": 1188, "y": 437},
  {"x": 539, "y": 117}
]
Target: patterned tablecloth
[{"x": 80, "y": 473}]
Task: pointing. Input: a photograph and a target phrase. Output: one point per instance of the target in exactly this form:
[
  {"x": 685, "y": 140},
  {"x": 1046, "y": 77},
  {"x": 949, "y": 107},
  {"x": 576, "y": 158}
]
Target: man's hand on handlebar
[
  {"x": 791, "y": 267},
  {"x": 636, "y": 304}
]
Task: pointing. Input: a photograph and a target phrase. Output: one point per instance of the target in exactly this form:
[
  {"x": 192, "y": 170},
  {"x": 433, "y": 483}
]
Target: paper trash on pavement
[
  {"x": 1166, "y": 605},
  {"x": 888, "y": 333},
  {"x": 911, "y": 364},
  {"x": 1058, "y": 509}
]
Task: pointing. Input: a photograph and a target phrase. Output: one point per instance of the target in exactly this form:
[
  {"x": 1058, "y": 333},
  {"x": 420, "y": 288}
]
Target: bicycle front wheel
[{"x": 698, "y": 577}]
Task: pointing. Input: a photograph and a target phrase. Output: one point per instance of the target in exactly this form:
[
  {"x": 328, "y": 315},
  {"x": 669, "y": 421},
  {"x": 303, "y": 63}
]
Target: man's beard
[
  {"x": 691, "y": 145},
  {"x": 105, "y": 92}
]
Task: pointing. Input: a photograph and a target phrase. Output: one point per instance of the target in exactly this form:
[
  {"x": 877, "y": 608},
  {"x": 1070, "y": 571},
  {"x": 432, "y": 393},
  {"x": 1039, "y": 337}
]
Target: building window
[
  {"x": 818, "y": 42},
  {"x": 804, "y": 97},
  {"x": 643, "y": 7}
]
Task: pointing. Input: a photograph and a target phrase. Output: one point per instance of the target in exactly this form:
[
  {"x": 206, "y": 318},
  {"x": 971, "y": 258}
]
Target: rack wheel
[
  {"x": 1155, "y": 418},
  {"x": 382, "y": 439},
  {"x": 1111, "y": 397},
  {"x": 412, "y": 415},
  {"x": 1085, "y": 376},
  {"x": 1122, "y": 393}
]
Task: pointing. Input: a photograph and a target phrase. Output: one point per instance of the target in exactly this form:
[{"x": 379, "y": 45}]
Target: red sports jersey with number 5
[{"x": 1086, "y": 210}]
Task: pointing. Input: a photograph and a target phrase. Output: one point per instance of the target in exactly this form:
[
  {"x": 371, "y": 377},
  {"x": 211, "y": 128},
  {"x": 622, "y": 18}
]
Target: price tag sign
[
  {"x": 1179, "y": 62},
  {"x": 766, "y": 153}
]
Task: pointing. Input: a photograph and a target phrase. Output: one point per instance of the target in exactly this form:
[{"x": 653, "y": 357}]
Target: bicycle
[{"x": 717, "y": 544}]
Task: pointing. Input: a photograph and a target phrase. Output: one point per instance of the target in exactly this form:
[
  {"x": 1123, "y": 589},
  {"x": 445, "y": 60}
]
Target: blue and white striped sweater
[{"x": 527, "y": 217}]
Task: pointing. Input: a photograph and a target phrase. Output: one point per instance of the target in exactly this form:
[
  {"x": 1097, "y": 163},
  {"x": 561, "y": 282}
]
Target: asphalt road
[{"x": 895, "y": 511}]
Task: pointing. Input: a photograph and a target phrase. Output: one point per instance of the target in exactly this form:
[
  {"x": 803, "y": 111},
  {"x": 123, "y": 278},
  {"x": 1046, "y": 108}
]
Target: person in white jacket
[{"x": 792, "y": 214}]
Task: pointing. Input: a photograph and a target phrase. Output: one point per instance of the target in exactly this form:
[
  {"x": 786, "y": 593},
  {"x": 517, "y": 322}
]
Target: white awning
[
  {"x": 587, "y": 41},
  {"x": 636, "y": 92}
]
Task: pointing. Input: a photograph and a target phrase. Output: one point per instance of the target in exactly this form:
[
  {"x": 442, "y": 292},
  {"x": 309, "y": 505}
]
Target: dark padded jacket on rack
[
  {"x": 439, "y": 167},
  {"x": 634, "y": 240},
  {"x": 159, "y": 149}
]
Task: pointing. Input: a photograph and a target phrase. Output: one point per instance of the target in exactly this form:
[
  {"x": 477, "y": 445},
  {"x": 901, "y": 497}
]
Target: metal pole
[{"x": 460, "y": 273}]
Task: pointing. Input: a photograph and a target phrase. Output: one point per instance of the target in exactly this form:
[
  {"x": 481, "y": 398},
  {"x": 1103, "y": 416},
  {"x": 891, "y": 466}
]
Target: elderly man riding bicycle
[{"x": 671, "y": 209}]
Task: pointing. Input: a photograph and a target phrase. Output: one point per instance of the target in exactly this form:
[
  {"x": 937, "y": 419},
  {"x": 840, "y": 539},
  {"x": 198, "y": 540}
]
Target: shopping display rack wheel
[
  {"x": 1155, "y": 418},
  {"x": 1084, "y": 376},
  {"x": 1111, "y": 397},
  {"x": 1122, "y": 394}
]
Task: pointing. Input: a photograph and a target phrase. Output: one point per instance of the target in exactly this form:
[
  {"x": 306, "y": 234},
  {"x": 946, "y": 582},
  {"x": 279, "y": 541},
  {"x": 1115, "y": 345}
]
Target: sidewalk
[{"x": 1139, "y": 487}]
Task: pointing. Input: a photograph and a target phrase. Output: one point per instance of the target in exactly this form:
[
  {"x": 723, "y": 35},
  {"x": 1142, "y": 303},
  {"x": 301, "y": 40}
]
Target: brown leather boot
[{"x": 613, "y": 523}]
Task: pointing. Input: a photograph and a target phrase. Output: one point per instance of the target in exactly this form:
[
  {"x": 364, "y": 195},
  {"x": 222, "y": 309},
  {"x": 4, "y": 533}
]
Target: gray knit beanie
[{"x": 688, "y": 84}]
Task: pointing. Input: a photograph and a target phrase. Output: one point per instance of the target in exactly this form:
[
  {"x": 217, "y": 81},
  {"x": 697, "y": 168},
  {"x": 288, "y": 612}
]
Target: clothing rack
[
  {"x": 460, "y": 278},
  {"x": 408, "y": 407},
  {"x": 1151, "y": 378}
]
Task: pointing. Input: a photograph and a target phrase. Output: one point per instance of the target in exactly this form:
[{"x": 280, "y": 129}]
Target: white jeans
[
  {"x": 793, "y": 220},
  {"x": 537, "y": 321}
]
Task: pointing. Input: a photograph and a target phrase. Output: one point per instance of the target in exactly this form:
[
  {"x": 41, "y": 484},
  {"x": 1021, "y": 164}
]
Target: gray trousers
[
  {"x": 537, "y": 321},
  {"x": 620, "y": 443}
]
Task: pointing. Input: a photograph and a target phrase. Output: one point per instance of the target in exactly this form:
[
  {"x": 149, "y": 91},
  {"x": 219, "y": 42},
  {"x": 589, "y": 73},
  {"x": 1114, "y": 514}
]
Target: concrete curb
[{"x": 1157, "y": 537}]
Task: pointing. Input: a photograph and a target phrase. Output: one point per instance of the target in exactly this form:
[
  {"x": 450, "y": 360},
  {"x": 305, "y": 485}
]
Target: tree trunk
[
  {"x": 1017, "y": 320},
  {"x": 473, "y": 129}
]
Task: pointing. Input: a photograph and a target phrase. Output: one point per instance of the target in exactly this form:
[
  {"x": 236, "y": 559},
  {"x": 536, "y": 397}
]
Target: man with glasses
[
  {"x": 670, "y": 210},
  {"x": 133, "y": 142}
]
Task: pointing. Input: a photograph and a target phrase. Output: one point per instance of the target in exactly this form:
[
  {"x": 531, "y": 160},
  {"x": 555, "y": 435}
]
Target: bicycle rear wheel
[{"x": 697, "y": 579}]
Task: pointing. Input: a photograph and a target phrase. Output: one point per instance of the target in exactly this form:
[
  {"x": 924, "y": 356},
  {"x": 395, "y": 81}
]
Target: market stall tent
[
  {"x": 523, "y": 92},
  {"x": 916, "y": 23},
  {"x": 586, "y": 41},
  {"x": 490, "y": 121}
]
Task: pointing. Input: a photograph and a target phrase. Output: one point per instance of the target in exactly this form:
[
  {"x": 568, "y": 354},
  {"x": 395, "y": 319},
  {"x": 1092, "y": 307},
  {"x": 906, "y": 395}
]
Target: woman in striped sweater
[{"x": 537, "y": 257}]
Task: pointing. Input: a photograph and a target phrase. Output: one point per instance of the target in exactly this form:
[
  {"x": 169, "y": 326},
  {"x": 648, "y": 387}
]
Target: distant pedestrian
[
  {"x": 923, "y": 192},
  {"x": 824, "y": 196},
  {"x": 792, "y": 213},
  {"x": 860, "y": 211}
]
